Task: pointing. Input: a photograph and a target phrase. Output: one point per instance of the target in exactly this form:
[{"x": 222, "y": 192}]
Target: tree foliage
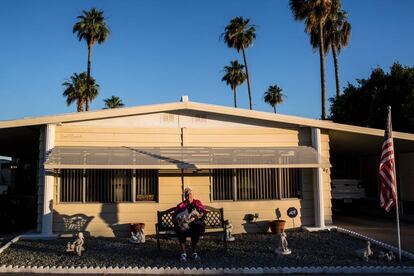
[
  {"x": 314, "y": 13},
  {"x": 273, "y": 96},
  {"x": 234, "y": 76},
  {"x": 337, "y": 33},
  {"x": 113, "y": 102},
  {"x": 240, "y": 34},
  {"x": 77, "y": 91},
  {"x": 365, "y": 104},
  {"x": 92, "y": 28}
]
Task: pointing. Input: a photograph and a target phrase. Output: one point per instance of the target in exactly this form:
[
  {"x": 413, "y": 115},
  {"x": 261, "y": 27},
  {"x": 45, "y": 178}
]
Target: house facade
[{"x": 100, "y": 171}]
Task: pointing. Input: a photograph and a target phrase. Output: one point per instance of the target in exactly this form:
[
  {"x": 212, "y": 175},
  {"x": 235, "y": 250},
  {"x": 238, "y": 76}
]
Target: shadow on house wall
[
  {"x": 72, "y": 224},
  {"x": 110, "y": 215}
]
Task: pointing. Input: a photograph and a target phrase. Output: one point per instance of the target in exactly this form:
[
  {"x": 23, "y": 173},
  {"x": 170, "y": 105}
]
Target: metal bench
[{"x": 214, "y": 221}]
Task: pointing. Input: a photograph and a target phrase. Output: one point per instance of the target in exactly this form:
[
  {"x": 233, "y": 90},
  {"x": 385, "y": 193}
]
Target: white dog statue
[
  {"x": 77, "y": 245},
  {"x": 229, "y": 230}
]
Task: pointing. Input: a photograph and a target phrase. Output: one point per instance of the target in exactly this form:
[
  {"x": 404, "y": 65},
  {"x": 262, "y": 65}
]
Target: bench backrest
[{"x": 213, "y": 219}]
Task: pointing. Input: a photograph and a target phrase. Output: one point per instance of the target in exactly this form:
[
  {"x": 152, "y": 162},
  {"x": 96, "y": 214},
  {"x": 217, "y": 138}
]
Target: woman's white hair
[{"x": 187, "y": 191}]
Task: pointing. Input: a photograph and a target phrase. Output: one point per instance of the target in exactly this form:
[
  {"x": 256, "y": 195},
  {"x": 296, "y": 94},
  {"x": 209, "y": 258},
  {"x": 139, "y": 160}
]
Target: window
[
  {"x": 146, "y": 185},
  {"x": 223, "y": 184},
  {"x": 255, "y": 184},
  {"x": 107, "y": 186},
  {"x": 71, "y": 185}
]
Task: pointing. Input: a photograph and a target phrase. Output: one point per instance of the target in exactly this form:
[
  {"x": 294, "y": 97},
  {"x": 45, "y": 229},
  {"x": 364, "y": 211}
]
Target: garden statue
[
  {"x": 389, "y": 257},
  {"x": 364, "y": 253},
  {"x": 283, "y": 245},
  {"x": 229, "y": 229},
  {"x": 138, "y": 236},
  {"x": 77, "y": 245}
]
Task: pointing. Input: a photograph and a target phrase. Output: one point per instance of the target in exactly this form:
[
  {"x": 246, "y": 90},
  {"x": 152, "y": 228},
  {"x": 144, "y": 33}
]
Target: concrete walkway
[{"x": 383, "y": 229}]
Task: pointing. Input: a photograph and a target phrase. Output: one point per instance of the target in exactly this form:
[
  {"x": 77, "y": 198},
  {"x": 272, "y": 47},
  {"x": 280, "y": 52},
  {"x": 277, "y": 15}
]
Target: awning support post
[
  {"x": 47, "y": 215},
  {"x": 318, "y": 181}
]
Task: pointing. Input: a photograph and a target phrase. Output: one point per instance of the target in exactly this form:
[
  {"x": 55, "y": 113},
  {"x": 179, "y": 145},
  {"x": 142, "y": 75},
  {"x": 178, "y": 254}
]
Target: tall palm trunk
[
  {"x": 274, "y": 108},
  {"x": 88, "y": 76},
  {"x": 248, "y": 78},
  {"x": 235, "y": 98},
  {"x": 80, "y": 105},
  {"x": 322, "y": 64},
  {"x": 335, "y": 57}
]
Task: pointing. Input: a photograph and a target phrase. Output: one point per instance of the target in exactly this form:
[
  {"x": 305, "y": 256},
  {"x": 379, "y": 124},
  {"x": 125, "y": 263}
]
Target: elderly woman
[{"x": 189, "y": 223}]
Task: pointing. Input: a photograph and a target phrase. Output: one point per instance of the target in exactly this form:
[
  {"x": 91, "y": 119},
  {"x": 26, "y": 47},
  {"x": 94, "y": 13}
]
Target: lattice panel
[
  {"x": 167, "y": 221},
  {"x": 213, "y": 219}
]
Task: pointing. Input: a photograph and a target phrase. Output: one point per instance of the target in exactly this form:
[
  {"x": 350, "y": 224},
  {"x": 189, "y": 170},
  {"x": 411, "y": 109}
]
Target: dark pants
[{"x": 195, "y": 231}]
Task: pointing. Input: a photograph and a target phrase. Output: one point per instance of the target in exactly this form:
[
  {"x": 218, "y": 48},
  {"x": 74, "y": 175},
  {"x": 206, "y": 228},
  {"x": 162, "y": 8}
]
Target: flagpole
[
  {"x": 397, "y": 213},
  {"x": 398, "y": 219}
]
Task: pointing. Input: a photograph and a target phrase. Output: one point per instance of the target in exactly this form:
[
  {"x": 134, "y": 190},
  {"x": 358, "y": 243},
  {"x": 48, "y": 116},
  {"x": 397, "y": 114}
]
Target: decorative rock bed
[{"x": 325, "y": 250}]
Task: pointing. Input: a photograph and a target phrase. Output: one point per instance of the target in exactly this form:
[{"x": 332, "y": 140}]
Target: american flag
[{"x": 387, "y": 168}]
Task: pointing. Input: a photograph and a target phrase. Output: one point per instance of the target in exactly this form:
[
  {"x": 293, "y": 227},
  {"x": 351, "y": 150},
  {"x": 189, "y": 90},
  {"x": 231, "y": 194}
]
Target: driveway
[{"x": 378, "y": 228}]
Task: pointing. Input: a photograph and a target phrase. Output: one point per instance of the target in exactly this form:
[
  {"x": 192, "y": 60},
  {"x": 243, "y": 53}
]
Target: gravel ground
[{"x": 249, "y": 250}]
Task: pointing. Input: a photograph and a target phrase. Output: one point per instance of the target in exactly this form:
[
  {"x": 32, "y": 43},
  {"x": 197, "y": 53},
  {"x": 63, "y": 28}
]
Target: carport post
[
  {"x": 318, "y": 181},
  {"x": 47, "y": 216}
]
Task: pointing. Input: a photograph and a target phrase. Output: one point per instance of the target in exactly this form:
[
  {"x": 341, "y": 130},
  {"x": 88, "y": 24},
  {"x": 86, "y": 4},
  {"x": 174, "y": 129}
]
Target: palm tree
[
  {"x": 92, "y": 28},
  {"x": 274, "y": 96},
  {"x": 234, "y": 76},
  {"x": 239, "y": 34},
  {"x": 113, "y": 102},
  {"x": 74, "y": 91},
  {"x": 77, "y": 90},
  {"x": 337, "y": 32},
  {"x": 315, "y": 13}
]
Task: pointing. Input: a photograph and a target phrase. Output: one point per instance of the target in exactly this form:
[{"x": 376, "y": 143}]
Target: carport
[
  {"x": 356, "y": 155},
  {"x": 20, "y": 200}
]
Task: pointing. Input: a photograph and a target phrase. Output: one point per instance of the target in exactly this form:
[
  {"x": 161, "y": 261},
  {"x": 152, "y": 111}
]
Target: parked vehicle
[{"x": 347, "y": 192}]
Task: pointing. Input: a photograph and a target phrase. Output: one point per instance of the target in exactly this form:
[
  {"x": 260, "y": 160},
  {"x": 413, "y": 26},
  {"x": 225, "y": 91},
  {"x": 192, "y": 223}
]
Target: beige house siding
[
  {"x": 216, "y": 131},
  {"x": 258, "y": 137},
  {"x": 117, "y": 137},
  {"x": 170, "y": 137},
  {"x": 326, "y": 178},
  {"x": 113, "y": 219}
]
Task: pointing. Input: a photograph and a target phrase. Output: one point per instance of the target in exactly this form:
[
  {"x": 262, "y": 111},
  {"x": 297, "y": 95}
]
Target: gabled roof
[{"x": 202, "y": 107}]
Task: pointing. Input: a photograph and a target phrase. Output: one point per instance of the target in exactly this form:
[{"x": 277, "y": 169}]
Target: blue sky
[{"x": 160, "y": 50}]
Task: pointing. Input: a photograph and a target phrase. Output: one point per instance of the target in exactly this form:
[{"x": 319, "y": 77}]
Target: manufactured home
[{"x": 100, "y": 171}]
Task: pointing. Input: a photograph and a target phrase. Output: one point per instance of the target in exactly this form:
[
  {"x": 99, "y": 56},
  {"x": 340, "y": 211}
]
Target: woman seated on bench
[{"x": 188, "y": 217}]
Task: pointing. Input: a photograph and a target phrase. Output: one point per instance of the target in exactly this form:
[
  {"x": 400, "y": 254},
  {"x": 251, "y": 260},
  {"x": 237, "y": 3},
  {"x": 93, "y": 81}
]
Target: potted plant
[{"x": 277, "y": 226}]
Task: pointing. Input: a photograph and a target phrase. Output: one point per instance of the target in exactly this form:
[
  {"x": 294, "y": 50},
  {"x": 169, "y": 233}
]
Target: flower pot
[
  {"x": 277, "y": 226},
  {"x": 135, "y": 227}
]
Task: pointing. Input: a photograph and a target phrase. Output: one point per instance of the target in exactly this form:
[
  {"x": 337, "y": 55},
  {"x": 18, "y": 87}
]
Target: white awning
[{"x": 183, "y": 158}]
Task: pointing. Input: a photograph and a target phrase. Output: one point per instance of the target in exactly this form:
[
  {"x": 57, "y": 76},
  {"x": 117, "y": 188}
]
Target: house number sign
[{"x": 292, "y": 212}]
